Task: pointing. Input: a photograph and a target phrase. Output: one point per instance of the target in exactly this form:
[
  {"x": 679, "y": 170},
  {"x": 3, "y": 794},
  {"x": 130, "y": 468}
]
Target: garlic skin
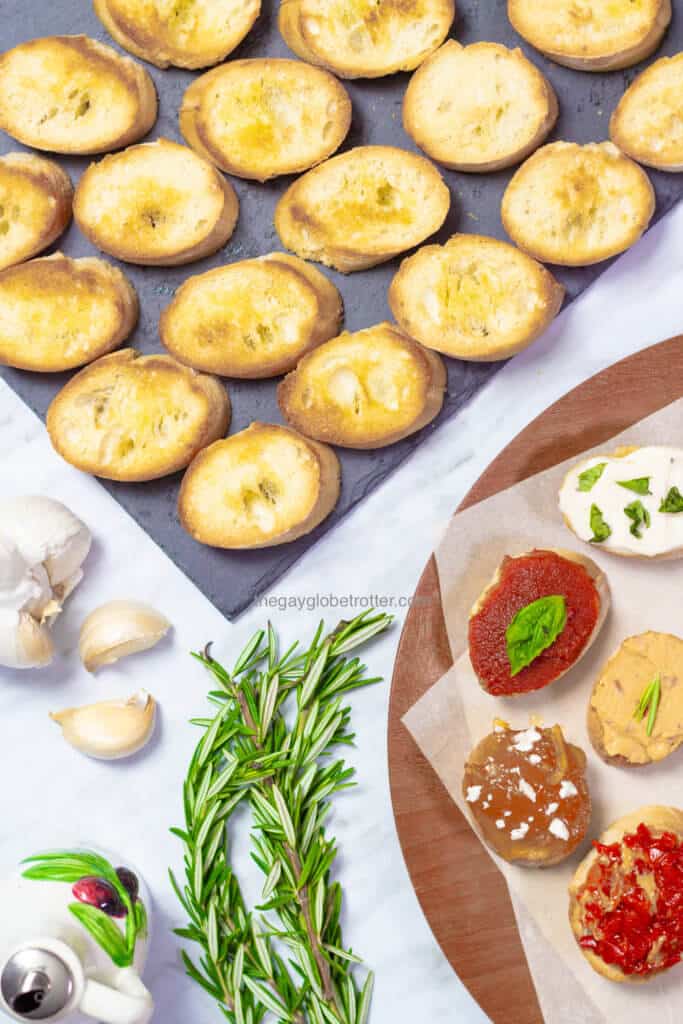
[
  {"x": 42, "y": 547},
  {"x": 117, "y": 629},
  {"x": 110, "y": 729}
]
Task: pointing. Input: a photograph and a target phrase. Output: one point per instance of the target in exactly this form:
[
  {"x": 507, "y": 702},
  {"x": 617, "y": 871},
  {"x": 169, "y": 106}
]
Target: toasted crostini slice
[
  {"x": 57, "y": 313},
  {"x": 265, "y": 485},
  {"x": 625, "y": 727},
  {"x": 252, "y": 319},
  {"x": 158, "y": 204},
  {"x": 362, "y": 38},
  {"x": 184, "y": 33},
  {"x": 130, "y": 417},
  {"x": 72, "y": 94},
  {"x": 624, "y": 898},
  {"x": 628, "y": 502},
  {"x": 647, "y": 124},
  {"x": 576, "y": 205},
  {"x": 35, "y": 205},
  {"x": 592, "y": 35},
  {"x": 474, "y": 298},
  {"x": 267, "y": 116},
  {"x": 478, "y": 108},
  {"x": 362, "y": 207},
  {"x": 364, "y": 390},
  {"x": 537, "y": 617}
]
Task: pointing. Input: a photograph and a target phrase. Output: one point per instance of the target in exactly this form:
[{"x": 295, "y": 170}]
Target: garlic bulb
[
  {"x": 117, "y": 629},
  {"x": 110, "y": 729},
  {"x": 42, "y": 548}
]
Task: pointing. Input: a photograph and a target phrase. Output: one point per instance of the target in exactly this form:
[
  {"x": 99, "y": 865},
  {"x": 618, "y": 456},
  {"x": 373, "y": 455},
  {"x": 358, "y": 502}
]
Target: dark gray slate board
[{"x": 233, "y": 579}]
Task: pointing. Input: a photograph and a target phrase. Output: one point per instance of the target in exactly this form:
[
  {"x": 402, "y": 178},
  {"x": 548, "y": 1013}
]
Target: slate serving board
[{"x": 232, "y": 580}]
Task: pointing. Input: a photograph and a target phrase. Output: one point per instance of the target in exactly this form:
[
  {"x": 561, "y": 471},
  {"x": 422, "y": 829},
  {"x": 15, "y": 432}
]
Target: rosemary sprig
[
  {"x": 289, "y": 960},
  {"x": 649, "y": 704}
]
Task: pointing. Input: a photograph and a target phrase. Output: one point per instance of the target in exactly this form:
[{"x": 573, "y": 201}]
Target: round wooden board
[{"x": 462, "y": 893}]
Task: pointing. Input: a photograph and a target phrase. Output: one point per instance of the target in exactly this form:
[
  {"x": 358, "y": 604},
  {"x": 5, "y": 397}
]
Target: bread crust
[
  {"x": 474, "y": 298},
  {"x": 604, "y": 597},
  {"x": 76, "y": 417},
  {"x": 238, "y": 320},
  {"x": 163, "y": 39},
  {"x": 264, "y": 117},
  {"x": 36, "y": 198},
  {"x": 626, "y": 44},
  {"x": 657, "y": 818},
  {"x": 58, "y": 313},
  {"x": 364, "y": 40},
  {"x": 146, "y": 184},
  {"x": 354, "y": 381},
  {"x": 646, "y": 122},
  {"x": 313, "y": 471},
  {"x": 73, "y": 94},
  {"x": 504, "y": 117},
  {"x": 561, "y": 204},
  {"x": 362, "y": 207}
]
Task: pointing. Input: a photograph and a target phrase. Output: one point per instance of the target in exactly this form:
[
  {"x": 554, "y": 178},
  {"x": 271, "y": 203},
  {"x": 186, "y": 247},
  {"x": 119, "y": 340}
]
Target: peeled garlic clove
[
  {"x": 110, "y": 729},
  {"x": 117, "y": 629}
]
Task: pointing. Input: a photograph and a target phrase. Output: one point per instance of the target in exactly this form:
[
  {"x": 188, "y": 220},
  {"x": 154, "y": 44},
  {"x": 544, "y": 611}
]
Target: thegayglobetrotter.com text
[{"x": 322, "y": 601}]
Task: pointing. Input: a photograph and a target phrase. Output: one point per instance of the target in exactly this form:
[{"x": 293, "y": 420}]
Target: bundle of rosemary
[{"x": 289, "y": 961}]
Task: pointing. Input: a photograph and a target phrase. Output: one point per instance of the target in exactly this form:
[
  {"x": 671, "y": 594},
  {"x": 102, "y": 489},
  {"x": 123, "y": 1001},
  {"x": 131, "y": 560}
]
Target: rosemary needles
[{"x": 288, "y": 962}]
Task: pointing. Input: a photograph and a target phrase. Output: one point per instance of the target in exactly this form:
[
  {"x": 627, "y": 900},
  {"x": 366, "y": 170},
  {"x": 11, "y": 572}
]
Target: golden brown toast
[
  {"x": 35, "y": 205},
  {"x": 72, "y": 94},
  {"x": 185, "y": 33},
  {"x": 474, "y": 298},
  {"x": 252, "y": 319},
  {"x": 592, "y": 35},
  {"x": 158, "y": 204},
  {"x": 131, "y": 417},
  {"x": 647, "y": 124},
  {"x": 364, "y": 39},
  {"x": 362, "y": 207},
  {"x": 576, "y": 205},
  {"x": 264, "y": 117},
  {"x": 478, "y": 108},
  {"x": 265, "y": 485},
  {"x": 57, "y": 313},
  {"x": 364, "y": 390}
]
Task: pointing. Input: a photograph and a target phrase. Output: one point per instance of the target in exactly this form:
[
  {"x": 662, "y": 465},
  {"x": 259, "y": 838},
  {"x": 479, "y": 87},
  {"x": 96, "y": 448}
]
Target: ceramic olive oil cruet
[{"x": 73, "y": 941}]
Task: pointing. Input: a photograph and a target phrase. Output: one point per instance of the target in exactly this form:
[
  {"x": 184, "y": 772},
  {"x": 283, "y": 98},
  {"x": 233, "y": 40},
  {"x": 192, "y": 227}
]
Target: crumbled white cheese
[
  {"x": 515, "y": 771},
  {"x": 519, "y": 833},
  {"x": 524, "y": 741},
  {"x": 485, "y": 805},
  {"x": 559, "y": 829},
  {"x": 473, "y": 794},
  {"x": 506, "y": 814},
  {"x": 551, "y": 808},
  {"x": 528, "y": 790},
  {"x": 534, "y": 759},
  {"x": 567, "y": 788},
  {"x": 500, "y": 823}
]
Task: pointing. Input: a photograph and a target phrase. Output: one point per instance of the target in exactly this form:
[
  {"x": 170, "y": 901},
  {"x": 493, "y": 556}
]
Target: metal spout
[{"x": 36, "y": 984}]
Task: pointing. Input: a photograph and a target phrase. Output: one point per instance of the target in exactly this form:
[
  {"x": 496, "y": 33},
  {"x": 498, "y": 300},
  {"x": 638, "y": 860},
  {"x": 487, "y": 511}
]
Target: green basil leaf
[
  {"x": 601, "y": 531},
  {"x": 104, "y": 932},
  {"x": 589, "y": 478},
  {"x": 641, "y": 485},
  {"x": 533, "y": 629},
  {"x": 673, "y": 502},
  {"x": 639, "y": 516}
]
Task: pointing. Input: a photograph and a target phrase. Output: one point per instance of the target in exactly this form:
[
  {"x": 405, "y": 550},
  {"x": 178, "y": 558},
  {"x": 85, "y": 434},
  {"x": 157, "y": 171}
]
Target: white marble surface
[{"x": 51, "y": 795}]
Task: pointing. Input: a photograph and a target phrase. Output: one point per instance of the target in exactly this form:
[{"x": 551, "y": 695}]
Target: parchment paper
[{"x": 456, "y": 713}]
